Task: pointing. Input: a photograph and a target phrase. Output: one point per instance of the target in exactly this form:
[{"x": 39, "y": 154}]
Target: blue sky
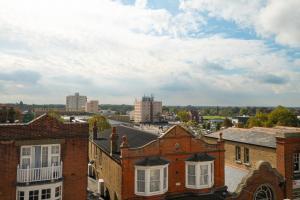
[{"x": 198, "y": 52}]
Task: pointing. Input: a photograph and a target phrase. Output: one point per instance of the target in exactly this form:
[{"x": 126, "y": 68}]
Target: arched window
[{"x": 263, "y": 192}]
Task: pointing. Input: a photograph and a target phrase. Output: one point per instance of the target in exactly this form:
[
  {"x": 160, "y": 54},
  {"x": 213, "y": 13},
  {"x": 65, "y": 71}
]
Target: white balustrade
[{"x": 39, "y": 174}]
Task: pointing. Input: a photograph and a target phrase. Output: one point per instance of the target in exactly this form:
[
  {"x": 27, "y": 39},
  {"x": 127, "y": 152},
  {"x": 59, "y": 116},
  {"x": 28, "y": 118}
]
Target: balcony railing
[{"x": 39, "y": 174}]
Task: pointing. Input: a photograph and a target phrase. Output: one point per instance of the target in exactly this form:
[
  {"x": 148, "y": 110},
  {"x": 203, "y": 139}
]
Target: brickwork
[
  {"x": 107, "y": 169},
  {"x": 45, "y": 130},
  {"x": 256, "y": 154},
  {"x": 175, "y": 146}
]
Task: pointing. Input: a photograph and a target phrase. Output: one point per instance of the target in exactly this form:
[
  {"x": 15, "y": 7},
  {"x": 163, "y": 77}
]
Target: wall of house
[
  {"x": 176, "y": 146},
  {"x": 107, "y": 169},
  {"x": 8, "y": 169},
  {"x": 256, "y": 154}
]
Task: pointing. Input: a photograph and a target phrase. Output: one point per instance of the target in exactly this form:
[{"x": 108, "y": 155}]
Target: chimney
[
  {"x": 114, "y": 141},
  {"x": 95, "y": 131}
]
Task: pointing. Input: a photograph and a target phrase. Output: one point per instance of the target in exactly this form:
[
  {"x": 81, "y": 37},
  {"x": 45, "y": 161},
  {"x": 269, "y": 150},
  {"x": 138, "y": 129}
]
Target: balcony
[{"x": 39, "y": 174}]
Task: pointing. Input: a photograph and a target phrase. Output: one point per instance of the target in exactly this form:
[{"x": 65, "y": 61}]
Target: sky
[{"x": 185, "y": 52}]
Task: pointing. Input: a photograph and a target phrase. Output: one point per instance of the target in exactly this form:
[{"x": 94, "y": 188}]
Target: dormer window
[
  {"x": 151, "y": 176},
  {"x": 199, "y": 171}
]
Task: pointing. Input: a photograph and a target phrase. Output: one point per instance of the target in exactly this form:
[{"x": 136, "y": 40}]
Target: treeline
[{"x": 120, "y": 109}]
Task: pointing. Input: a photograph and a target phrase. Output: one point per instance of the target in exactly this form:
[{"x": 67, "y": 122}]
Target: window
[
  {"x": 151, "y": 180},
  {"x": 191, "y": 175},
  {"x": 34, "y": 195},
  {"x": 57, "y": 193},
  {"x": 46, "y": 194},
  {"x": 296, "y": 162},
  {"x": 263, "y": 192},
  {"x": 38, "y": 156},
  {"x": 154, "y": 180},
  {"x": 21, "y": 195},
  {"x": 238, "y": 153},
  {"x": 199, "y": 174},
  {"x": 141, "y": 180},
  {"x": 246, "y": 155}
]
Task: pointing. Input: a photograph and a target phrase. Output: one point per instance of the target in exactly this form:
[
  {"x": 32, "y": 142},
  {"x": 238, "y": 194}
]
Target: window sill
[
  {"x": 198, "y": 187},
  {"x": 150, "y": 193},
  {"x": 247, "y": 164},
  {"x": 238, "y": 162}
]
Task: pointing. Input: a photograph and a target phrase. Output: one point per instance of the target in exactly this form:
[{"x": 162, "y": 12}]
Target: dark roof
[
  {"x": 256, "y": 136},
  {"x": 200, "y": 157},
  {"x": 151, "y": 161},
  {"x": 136, "y": 138}
]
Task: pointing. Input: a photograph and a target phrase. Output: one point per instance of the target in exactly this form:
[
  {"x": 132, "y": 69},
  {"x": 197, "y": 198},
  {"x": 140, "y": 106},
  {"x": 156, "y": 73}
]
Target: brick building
[
  {"x": 246, "y": 148},
  {"x": 175, "y": 165},
  {"x": 43, "y": 159}
]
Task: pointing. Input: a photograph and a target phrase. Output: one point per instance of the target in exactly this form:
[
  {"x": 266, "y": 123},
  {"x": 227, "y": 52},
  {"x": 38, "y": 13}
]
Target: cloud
[
  {"x": 115, "y": 52},
  {"x": 272, "y": 79},
  {"x": 21, "y": 76}
]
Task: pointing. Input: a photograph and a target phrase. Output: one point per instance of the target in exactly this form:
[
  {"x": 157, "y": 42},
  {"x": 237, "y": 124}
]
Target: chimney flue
[{"x": 114, "y": 141}]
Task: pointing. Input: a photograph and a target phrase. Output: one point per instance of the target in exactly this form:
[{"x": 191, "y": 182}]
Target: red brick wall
[
  {"x": 165, "y": 147},
  {"x": 75, "y": 159},
  {"x": 8, "y": 170},
  {"x": 285, "y": 149}
]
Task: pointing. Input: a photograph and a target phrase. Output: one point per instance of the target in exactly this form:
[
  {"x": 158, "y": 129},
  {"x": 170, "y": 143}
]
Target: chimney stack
[
  {"x": 114, "y": 141},
  {"x": 95, "y": 131}
]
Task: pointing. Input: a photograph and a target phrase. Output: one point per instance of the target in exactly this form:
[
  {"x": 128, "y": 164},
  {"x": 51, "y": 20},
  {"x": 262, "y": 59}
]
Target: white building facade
[
  {"x": 76, "y": 103},
  {"x": 147, "y": 110}
]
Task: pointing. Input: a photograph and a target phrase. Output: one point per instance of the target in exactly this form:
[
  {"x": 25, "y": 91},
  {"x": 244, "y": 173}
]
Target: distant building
[
  {"x": 245, "y": 149},
  {"x": 92, "y": 106},
  {"x": 240, "y": 120},
  {"x": 147, "y": 110},
  {"x": 76, "y": 103},
  {"x": 133, "y": 164},
  {"x": 43, "y": 159}
]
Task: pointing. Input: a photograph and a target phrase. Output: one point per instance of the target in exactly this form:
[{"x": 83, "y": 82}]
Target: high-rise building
[
  {"x": 76, "y": 103},
  {"x": 92, "y": 106},
  {"x": 147, "y": 110}
]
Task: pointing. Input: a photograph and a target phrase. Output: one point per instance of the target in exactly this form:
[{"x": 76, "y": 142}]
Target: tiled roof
[
  {"x": 136, "y": 138},
  {"x": 257, "y": 136},
  {"x": 233, "y": 176},
  {"x": 200, "y": 157}
]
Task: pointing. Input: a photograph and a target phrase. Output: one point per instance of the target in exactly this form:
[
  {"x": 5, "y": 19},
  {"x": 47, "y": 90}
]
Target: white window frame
[
  {"x": 52, "y": 186},
  {"x": 147, "y": 170},
  {"x": 210, "y": 183},
  {"x": 246, "y": 155},
  {"x": 238, "y": 153},
  {"x": 32, "y": 154},
  {"x": 294, "y": 160}
]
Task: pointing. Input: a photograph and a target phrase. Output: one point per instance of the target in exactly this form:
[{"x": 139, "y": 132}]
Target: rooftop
[
  {"x": 136, "y": 138},
  {"x": 233, "y": 176},
  {"x": 257, "y": 135}
]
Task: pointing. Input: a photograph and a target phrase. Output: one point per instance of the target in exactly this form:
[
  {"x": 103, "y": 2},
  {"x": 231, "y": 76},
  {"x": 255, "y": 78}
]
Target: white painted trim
[
  {"x": 147, "y": 170},
  {"x": 197, "y": 165}
]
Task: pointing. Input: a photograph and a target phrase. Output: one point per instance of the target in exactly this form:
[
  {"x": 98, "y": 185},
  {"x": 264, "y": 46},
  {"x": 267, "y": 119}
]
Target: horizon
[{"x": 186, "y": 52}]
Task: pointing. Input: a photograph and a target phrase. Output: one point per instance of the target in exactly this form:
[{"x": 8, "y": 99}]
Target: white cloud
[{"x": 108, "y": 50}]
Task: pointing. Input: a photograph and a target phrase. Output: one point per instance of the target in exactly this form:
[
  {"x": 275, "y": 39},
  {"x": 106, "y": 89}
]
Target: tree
[
  {"x": 283, "y": 117},
  {"x": 183, "y": 116},
  {"x": 3, "y": 115},
  {"x": 243, "y": 111},
  {"x": 227, "y": 123},
  {"x": 101, "y": 123},
  {"x": 218, "y": 126},
  {"x": 11, "y": 117},
  {"x": 55, "y": 115}
]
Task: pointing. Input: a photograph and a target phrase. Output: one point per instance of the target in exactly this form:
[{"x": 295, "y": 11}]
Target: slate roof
[
  {"x": 257, "y": 136},
  {"x": 233, "y": 176},
  {"x": 200, "y": 157},
  {"x": 136, "y": 138},
  {"x": 151, "y": 161}
]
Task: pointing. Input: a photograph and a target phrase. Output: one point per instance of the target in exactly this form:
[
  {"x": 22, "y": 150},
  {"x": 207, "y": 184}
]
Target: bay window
[
  {"x": 151, "y": 179},
  {"x": 199, "y": 171}
]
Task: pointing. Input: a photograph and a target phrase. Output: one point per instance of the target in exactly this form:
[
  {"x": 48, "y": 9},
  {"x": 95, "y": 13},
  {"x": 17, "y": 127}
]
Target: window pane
[
  {"x": 203, "y": 174},
  {"x": 57, "y": 191},
  {"x": 46, "y": 194},
  {"x": 165, "y": 178},
  {"x": 55, "y": 149},
  {"x": 296, "y": 162},
  {"x": 34, "y": 195},
  {"x": 55, "y": 160},
  {"x": 26, "y": 151},
  {"x": 140, "y": 180},
  {"x": 45, "y": 157},
  {"x": 21, "y": 195},
  {"x": 25, "y": 163},
  {"x": 154, "y": 180},
  {"x": 191, "y": 175}
]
